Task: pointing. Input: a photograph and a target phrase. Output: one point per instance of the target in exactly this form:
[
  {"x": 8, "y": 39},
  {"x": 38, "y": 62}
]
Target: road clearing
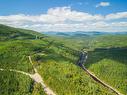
[
  {"x": 82, "y": 60},
  {"x": 36, "y": 77}
]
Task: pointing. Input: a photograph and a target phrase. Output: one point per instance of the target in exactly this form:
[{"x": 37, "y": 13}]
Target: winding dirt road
[
  {"x": 82, "y": 60},
  {"x": 36, "y": 77}
]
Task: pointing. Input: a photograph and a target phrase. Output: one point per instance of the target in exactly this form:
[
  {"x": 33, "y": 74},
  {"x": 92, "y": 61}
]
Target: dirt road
[
  {"x": 36, "y": 77},
  {"x": 82, "y": 60}
]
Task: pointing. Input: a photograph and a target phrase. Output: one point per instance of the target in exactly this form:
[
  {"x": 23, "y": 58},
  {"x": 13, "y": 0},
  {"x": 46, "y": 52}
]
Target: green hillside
[
  {"x": 107, "y": 57},
  {"x": 7, "y": 33},
  {"x": 12, "y": 83},
  {"x": 54, "y": 60},
  {"x": 110, "y": 41},
  {"x": 111, "y": 66}
]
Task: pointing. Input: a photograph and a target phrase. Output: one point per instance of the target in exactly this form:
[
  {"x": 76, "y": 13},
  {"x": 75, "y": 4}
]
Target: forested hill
[
  {"x": 53, "y": 58},
  {"x": 7, "y": 32}
]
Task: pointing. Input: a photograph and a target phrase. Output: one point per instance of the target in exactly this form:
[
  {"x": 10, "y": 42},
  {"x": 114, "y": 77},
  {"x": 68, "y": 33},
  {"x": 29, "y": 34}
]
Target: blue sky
[
  {"x": 49, "y": 13},
  {"x": 35, "y": 7}
]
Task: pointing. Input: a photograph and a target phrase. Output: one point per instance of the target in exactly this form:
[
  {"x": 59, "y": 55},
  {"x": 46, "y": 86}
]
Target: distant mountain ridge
[{"x": 81, "y": 33}]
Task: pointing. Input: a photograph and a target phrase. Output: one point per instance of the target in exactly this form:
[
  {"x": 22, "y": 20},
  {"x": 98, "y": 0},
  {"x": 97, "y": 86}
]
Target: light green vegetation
[
  {"x": 107, "y": 57},
  {"x": 10, "y": 33},
  {"x": 108, "y": 60},
  {"x": 110, "y": 41},
  {"x": 13, "y": 55},
  {"x": 76, "y": 43},
  {"x": 54, "y": 58},
  {"x": 92, "y": 42},
  {"x": 65, "y": 78},
  {"x": 15, "y": 84},
  {"x": 111, "y": 66},
  {"x": 15, "y": 46},
  {"x": 37, "y": 89},
  {"x": 12, "y": 83},
  {"x": 56, "y": 63}
]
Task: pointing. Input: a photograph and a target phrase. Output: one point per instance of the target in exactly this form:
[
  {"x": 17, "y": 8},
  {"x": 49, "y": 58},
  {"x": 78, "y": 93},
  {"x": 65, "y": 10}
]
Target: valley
[{"x": 54, "y": 58}]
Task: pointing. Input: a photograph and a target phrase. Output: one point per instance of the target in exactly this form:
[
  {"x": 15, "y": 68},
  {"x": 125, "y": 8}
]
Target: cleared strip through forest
[{"x": 82, "y": 60}]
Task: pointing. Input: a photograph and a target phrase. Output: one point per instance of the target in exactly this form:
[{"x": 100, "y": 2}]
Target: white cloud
[
  {"x": 117, "y": 15},
  {"x": 54, "y": 15},
  {"x": 103, "y": 4},
  {"x": 65, "y": 13},
  {"x": 66, "y": 19}
]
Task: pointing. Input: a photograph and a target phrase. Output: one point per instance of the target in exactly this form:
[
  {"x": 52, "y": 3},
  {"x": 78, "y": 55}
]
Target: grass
[
  {"x": 76, "y": 43},
  {"x": 10, "y": 33},
  {"x": 55, "y": 59},
  {"x": 14, "y": 54},
  {"x": 110, "y": 66},
  {"x": 65, "y": 78},
  {"x": 14, "y": 84},
  {"x": 110, "y": 41},
  {"x": 37, "y": 89}
]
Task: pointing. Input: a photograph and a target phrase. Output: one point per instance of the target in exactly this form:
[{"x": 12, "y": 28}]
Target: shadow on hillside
[
  {"x": 52, "y": 55},
  {"x": 116, "y": 53}
]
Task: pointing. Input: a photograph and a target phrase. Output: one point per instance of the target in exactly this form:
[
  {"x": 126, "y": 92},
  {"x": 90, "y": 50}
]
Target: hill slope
[
  {"x": 7, "y": 32},
  {"x": 54, "y": 61},
  {"x": 107, "y": 56}
]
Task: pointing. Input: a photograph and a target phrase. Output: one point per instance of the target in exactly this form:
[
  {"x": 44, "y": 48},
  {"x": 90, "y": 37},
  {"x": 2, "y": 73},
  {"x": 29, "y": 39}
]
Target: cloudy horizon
[{"x": 66, "y": 18}]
